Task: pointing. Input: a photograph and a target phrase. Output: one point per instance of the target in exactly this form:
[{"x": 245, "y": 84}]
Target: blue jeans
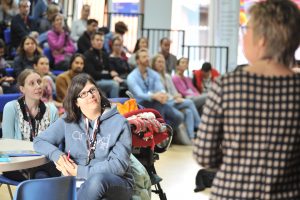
[
  {"x": 109, "y": 87},
  {"x": 171, "y": 115},
  {"x": 199, "y": 101},
  {"x": 192, "y": 118},
  {"x": 104, "y": 185}
]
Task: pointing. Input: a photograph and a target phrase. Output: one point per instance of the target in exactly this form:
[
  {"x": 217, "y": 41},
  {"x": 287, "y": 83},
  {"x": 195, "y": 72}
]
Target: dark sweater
[
  {"x": 19, "y": 29},
  {"x": 84, "y": 42},
  {"x": 97, "y": 64}
]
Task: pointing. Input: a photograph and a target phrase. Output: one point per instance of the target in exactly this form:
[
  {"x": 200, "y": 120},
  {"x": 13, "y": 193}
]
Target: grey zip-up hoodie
[{"x": 113, "y": 146}]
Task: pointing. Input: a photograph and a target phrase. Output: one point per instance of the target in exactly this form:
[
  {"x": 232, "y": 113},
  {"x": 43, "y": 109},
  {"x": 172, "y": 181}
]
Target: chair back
[
  {"x": 63, "y": 188},
  {"x": 47, "y": 52},
  {"x": 7, "y": 37},
  {"x": 4, "y": 98}
]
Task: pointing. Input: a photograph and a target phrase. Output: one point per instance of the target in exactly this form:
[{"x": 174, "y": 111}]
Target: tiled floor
[{"x": 178, "y": 170}]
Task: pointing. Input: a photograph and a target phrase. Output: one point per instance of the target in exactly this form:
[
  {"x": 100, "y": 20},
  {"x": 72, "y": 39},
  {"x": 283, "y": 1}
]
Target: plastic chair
[
  {"x": 57, "y": 72},
  {"x": 47, "y": 52},
  {"x": 10, "y": 72},
  {"x": 8, "y": 182},
  {"x": 4, "y": 98},
  {"x": 7, "y": 37},
  {"x": 63, "y": 187}
]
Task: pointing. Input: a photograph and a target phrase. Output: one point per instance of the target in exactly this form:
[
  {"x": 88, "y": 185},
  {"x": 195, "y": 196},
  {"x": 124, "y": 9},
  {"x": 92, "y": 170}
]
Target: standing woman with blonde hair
[{"x": 250, "y": 129}]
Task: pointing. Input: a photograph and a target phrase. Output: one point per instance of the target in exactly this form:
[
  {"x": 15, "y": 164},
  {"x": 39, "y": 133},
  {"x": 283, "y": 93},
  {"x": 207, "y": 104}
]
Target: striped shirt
[{"x": 250, "y": 131}]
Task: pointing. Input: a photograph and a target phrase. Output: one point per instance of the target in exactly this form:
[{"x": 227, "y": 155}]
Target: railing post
[{"x": 227, "y": 57}]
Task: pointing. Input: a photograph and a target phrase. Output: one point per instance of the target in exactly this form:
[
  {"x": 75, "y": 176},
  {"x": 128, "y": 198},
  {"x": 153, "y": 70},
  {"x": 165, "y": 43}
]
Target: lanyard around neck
[
  {"x": 33, "y": 130},
  {"x": 91, "y": 139}
]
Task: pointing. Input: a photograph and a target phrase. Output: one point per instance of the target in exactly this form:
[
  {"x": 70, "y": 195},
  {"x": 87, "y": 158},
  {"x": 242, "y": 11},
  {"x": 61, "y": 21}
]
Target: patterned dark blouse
[{"x": 250, "y": 131}]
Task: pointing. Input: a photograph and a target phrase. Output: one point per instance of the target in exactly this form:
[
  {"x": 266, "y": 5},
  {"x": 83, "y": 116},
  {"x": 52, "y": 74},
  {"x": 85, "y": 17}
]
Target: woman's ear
[
  {"x": 22, "y": 89},
  {"x": 261, "y": 42}
]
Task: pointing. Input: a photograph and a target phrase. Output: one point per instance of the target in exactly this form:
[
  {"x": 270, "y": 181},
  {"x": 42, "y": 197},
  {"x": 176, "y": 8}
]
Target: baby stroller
[{"x": 150, "y": 136}]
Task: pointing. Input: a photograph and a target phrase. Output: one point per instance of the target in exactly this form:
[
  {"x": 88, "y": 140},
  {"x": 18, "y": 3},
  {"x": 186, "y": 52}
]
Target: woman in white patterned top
[
  {"x": 27, "y": 116},
  {"x": 250, "y": 129}
]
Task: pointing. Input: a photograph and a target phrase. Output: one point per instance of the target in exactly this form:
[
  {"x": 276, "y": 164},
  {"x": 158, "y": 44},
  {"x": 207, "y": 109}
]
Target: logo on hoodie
[{"x": 103, "y": 142}]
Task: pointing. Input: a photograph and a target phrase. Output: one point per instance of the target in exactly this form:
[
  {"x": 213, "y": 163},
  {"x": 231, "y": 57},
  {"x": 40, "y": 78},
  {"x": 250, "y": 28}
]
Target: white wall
[
  {"x": 224, "y": 25},
  {"x": 158, "y": 14}
]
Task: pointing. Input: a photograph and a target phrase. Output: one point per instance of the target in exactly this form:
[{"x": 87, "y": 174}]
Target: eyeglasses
[
  {"x": 244, "y": 29},
  {"x": 84, "y": 94}
]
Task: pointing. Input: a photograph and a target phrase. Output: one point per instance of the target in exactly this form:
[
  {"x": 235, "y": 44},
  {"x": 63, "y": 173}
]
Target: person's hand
[
  {"x": 66, "y": 166},
  {"x": 178, "y": 99},
  {"x": 9, "y": 79},
  {"x": 118, "y": 79},
  {"x": 160, "y": 97},
  {"x": 72, "y": 170},
  {"x": 60, "y": 29},
  {"x": 296, "y": 69},
  {"x": 58, "y": 51},
  {"x": 62, "y": 169},
  {"x": 113, "y": 73},
  {"x": 34, "y": 34},
  {"x": 178, "y": 95}
]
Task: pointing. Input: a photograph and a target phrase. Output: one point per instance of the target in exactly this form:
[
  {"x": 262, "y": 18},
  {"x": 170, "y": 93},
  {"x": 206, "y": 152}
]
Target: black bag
[{"x": 204, "y": 179}]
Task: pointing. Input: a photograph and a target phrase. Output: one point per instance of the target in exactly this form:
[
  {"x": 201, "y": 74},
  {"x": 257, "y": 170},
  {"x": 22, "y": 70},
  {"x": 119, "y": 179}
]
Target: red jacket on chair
[{"x": 198, "y": 77}]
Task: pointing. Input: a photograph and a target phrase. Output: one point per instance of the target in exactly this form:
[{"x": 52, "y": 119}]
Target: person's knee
[
  {"x": 188, "y": 112},
  {"x": 97, "y": 183},
  {"x": 115, "y": 85},
  {"x": 177, "y": 116},
  {"x": 189, "y": 101}
]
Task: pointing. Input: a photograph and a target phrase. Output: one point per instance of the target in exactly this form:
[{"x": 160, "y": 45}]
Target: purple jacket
[
  {"x": 59, "y": 41},
  {"x": 185, "y": 86}
]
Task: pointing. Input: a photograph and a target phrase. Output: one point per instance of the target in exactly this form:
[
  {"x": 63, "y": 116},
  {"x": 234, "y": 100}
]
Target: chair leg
[
  {"x": 158, "y": 190},
  {"x": 10, "y": 192}
]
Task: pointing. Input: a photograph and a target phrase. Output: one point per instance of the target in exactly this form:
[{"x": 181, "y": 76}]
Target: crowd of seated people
[
  {"x": 175, "y": 99},
  {"x": 161, "y": 85},
  {"x": 102, "y": 55}
]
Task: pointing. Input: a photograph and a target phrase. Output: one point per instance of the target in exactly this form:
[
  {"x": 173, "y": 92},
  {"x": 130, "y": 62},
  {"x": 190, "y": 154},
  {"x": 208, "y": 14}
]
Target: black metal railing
[
  {"x": 216, "y": 55},
  {"x": 197, "y": 54},
  {"x": 155, "y": 35}
]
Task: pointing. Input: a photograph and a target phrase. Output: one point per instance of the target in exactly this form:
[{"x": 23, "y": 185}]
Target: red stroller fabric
[{"x": 148, "y": 127}]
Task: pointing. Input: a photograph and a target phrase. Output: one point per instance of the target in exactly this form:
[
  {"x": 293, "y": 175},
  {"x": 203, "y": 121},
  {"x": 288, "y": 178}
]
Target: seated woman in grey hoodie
[{"x": 97, "y": 143}]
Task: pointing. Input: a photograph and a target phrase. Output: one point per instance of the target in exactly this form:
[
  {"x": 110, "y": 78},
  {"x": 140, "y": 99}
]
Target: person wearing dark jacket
[
  {"x": 97, "y": 65},
  {"x": 22, "y": 24},
  {"x": 84, "y": 41}
]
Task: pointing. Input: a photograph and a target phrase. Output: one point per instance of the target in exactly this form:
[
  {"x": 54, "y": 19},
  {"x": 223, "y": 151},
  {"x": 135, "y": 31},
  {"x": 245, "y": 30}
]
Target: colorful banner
[{"x": 246, "y": 4}]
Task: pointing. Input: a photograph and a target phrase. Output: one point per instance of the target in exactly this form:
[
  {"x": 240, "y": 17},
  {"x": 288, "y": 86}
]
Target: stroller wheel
[{"x": 164, "y": 145}]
